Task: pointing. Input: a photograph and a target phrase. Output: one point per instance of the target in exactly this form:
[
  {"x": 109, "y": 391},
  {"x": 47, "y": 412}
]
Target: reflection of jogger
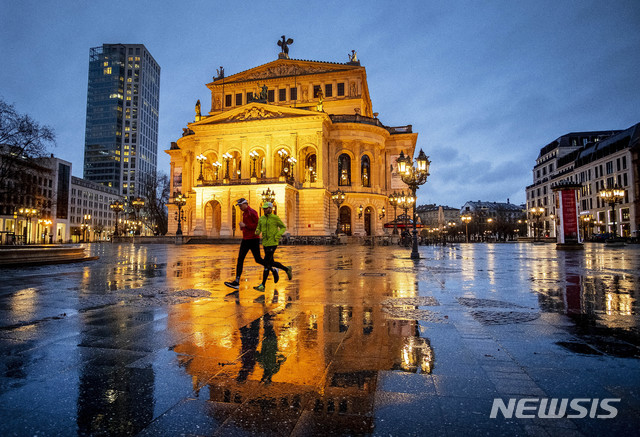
[
  {"x": 249, "y": 339},
  {"x": 271, "y": 228},
  {"x": 250, "y": 242},
  {"x": 268, "y": 357}
]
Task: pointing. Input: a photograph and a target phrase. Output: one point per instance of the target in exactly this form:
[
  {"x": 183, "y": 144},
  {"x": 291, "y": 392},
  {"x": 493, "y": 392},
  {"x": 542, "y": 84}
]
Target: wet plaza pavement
[{"x": 362, "y": 341}]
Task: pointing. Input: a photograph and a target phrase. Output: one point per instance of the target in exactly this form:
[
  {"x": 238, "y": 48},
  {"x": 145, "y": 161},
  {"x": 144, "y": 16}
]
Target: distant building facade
[
  {"x": 545, "y": 173},
  {"x": 504, "y": 220},
  {"x": 121, "y": 137},
  {"x": 299, "y": 130},
  {"x": 41, "y": 202},
  {"x": 432, "y": 217},
  {"x": 601, "y": 160}
]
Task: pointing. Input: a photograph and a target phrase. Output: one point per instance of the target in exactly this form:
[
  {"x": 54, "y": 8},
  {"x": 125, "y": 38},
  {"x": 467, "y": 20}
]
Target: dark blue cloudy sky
[{"x": 484, "y": 83}]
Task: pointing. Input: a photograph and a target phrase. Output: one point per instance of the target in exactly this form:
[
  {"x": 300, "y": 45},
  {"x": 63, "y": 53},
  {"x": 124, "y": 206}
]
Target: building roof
[
  {"x": 599, "y": 149},
  {"x": 494, "y": 205}
]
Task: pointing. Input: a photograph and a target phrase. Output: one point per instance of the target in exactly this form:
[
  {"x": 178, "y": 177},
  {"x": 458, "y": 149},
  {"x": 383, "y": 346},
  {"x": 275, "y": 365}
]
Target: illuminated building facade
[
  {"x": 596, "y": 160},
  {"x": 121, "y": 137},
  {"x": 300, "y": 130}
]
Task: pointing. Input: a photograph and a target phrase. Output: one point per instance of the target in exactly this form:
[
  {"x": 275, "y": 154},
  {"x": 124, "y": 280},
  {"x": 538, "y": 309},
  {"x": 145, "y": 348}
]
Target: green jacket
[{"x": 271, "y": 228}]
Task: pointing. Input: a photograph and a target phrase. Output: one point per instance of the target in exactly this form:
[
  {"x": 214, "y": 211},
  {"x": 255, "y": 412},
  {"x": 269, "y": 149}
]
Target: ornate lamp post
[
  {"x": 268, "y": 196},
  {"x": 585, "y": 224},
  {"x": 201, "y": 159},
  {"x": 536, "y": 213},
  {"x": 414, "y": 176},
  {"x": 179, "y": 201},
  {"x": 137, "y": 204},
  {"x": 283, "y": 154},
  {"x": 227, "y": 160},
  {"x": 27, "y": 213},
  {"x": 117, "y": 207},
  {"x": 254, "y": 157},
  {"x": 338, "y": 198},
  {"x": 393, "y": 201},
  {"x": 612, "y": 195},
  {"x": 216, "y": 168},
  {"x": 291, "y": 162},
  {"x": 466, "y": 219},
  {"x": 360, "y": 211},
  {"x": 85, "y": 226}
]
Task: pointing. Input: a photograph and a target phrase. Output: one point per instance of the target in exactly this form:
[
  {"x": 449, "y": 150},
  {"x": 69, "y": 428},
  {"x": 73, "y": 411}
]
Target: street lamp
[
  {"x": 137, "y": 204},
  {"x": 254, "y": 157},
  {"x": 27, "y": 213},
  {"x": 117, "y": 207},
  {"x": 585, "y": 224},
  {"x": 85, "y": 226},
  {"x": 612, "y": 195},
  {"x": 216, "y": 167},
  {"x": 536, "y": 212},
  {"x": 338, "y": 198},
  {"x": 466, "y": 219},
  {"x": 283, "y": 155},
  {"x": 393, "y": 201},
  {"x": 291, "y": 163},
  {"x": 179, "y": 201},
  {"x": 360, "y": 211},
  {"x": 268, "y": 196},
  {"x": 227, "y": 159},
  {"x": 201, "y": 159},
  {"x": 414, "y": 176}
]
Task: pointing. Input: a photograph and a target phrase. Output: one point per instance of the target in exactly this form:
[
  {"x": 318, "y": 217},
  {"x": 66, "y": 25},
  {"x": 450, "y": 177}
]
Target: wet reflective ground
[{"x": 363, "y": 341}]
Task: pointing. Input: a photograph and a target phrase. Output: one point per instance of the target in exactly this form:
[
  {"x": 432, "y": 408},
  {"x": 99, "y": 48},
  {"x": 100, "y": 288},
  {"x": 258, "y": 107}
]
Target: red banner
[{"x": 569, "y": 214}]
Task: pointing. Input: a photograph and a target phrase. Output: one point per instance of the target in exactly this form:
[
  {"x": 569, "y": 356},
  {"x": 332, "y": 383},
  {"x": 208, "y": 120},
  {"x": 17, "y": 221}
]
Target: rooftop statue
[
  {"x": 284, "y": 45},
  {"x": 353, "y": 57},
  {"x": 198, "y": 113}
]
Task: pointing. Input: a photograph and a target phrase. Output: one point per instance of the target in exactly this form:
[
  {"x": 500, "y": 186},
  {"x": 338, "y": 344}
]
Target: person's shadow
[
  {"x": 249, "y": 343},
  {"x": 268, "y": 357}
]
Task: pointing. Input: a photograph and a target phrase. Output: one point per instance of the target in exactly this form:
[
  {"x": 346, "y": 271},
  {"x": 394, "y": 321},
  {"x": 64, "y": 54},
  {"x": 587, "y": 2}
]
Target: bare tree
[
  {"x": 156, "y": 192},
  {"x": 21, "y": 138}
]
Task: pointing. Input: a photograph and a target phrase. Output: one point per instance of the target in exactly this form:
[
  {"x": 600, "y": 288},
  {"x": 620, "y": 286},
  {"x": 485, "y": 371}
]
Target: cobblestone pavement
[{"x": 362, "y": 341}]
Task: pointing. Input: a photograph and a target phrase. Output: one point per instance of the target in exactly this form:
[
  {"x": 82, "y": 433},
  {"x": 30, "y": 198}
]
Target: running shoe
[
  {"x": 259, "y": 287},
  {"x": 232, "y": 284}
]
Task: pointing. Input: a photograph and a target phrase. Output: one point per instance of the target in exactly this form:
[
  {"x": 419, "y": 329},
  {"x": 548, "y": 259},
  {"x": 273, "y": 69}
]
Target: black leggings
[
  {"x": 269, "y": 262},
  {"x": 252, "y": 245}
]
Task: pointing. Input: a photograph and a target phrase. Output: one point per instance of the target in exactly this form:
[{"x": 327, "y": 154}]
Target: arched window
[
  {"x": 365, "y": 171},
  {"x": 344, "y": 170},
  {"x": 310, "y": 168}
]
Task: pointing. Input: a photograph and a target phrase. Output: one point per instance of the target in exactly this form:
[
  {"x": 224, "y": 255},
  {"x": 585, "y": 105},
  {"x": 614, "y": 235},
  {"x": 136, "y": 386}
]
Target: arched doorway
[
  {"x": 212, "y": 218},
  {"x": 368, "y": 216},
  {"x": 345, "y": 220}
]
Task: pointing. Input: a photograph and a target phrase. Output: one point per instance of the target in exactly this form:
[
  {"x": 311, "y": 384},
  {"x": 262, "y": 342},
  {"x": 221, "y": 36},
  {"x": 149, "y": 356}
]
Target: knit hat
[
  {"x": 266, "y": 205},
  {"x": 241, "y": 201}
]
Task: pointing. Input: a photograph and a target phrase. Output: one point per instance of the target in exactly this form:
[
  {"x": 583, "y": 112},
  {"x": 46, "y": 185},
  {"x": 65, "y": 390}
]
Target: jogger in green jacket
[{"x": 270, "y": 228}]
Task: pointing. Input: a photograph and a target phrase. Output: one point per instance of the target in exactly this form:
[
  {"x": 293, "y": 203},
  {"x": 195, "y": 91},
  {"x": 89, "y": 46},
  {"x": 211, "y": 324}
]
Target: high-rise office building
[{"x": 121, "y": 137}]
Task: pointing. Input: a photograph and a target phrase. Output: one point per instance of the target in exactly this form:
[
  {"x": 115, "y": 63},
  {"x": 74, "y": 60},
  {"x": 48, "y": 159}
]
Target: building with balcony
[
  {"x": 295, "y": 131},
  {"x": 602, "y": 164},
  {"x": 548, "y": 170}
]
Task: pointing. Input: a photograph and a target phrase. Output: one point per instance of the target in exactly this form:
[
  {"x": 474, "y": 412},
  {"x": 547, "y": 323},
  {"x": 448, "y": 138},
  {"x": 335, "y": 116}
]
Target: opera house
[{"x": 294, "y": 132}]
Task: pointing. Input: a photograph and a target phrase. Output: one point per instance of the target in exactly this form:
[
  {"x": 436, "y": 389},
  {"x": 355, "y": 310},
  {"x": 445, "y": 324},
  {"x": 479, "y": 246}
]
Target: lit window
[
  {"x": 105, "y": 64},
  {"x": 107, "y": 70}
]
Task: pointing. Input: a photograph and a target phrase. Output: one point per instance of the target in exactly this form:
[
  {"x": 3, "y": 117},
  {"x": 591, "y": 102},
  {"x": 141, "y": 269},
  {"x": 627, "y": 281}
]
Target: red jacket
[{"x": 250, "y": 219}]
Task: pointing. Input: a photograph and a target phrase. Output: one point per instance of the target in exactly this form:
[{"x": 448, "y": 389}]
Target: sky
[{"x": 485, "y": 83}]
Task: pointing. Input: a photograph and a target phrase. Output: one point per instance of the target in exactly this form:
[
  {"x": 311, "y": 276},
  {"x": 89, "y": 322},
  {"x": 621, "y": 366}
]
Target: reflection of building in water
[{"x": 322, "y": 358}]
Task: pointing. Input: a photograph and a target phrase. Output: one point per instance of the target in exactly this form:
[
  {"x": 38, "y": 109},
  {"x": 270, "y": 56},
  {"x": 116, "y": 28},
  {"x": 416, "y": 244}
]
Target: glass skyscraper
[{"x": 121, "y": 137}]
